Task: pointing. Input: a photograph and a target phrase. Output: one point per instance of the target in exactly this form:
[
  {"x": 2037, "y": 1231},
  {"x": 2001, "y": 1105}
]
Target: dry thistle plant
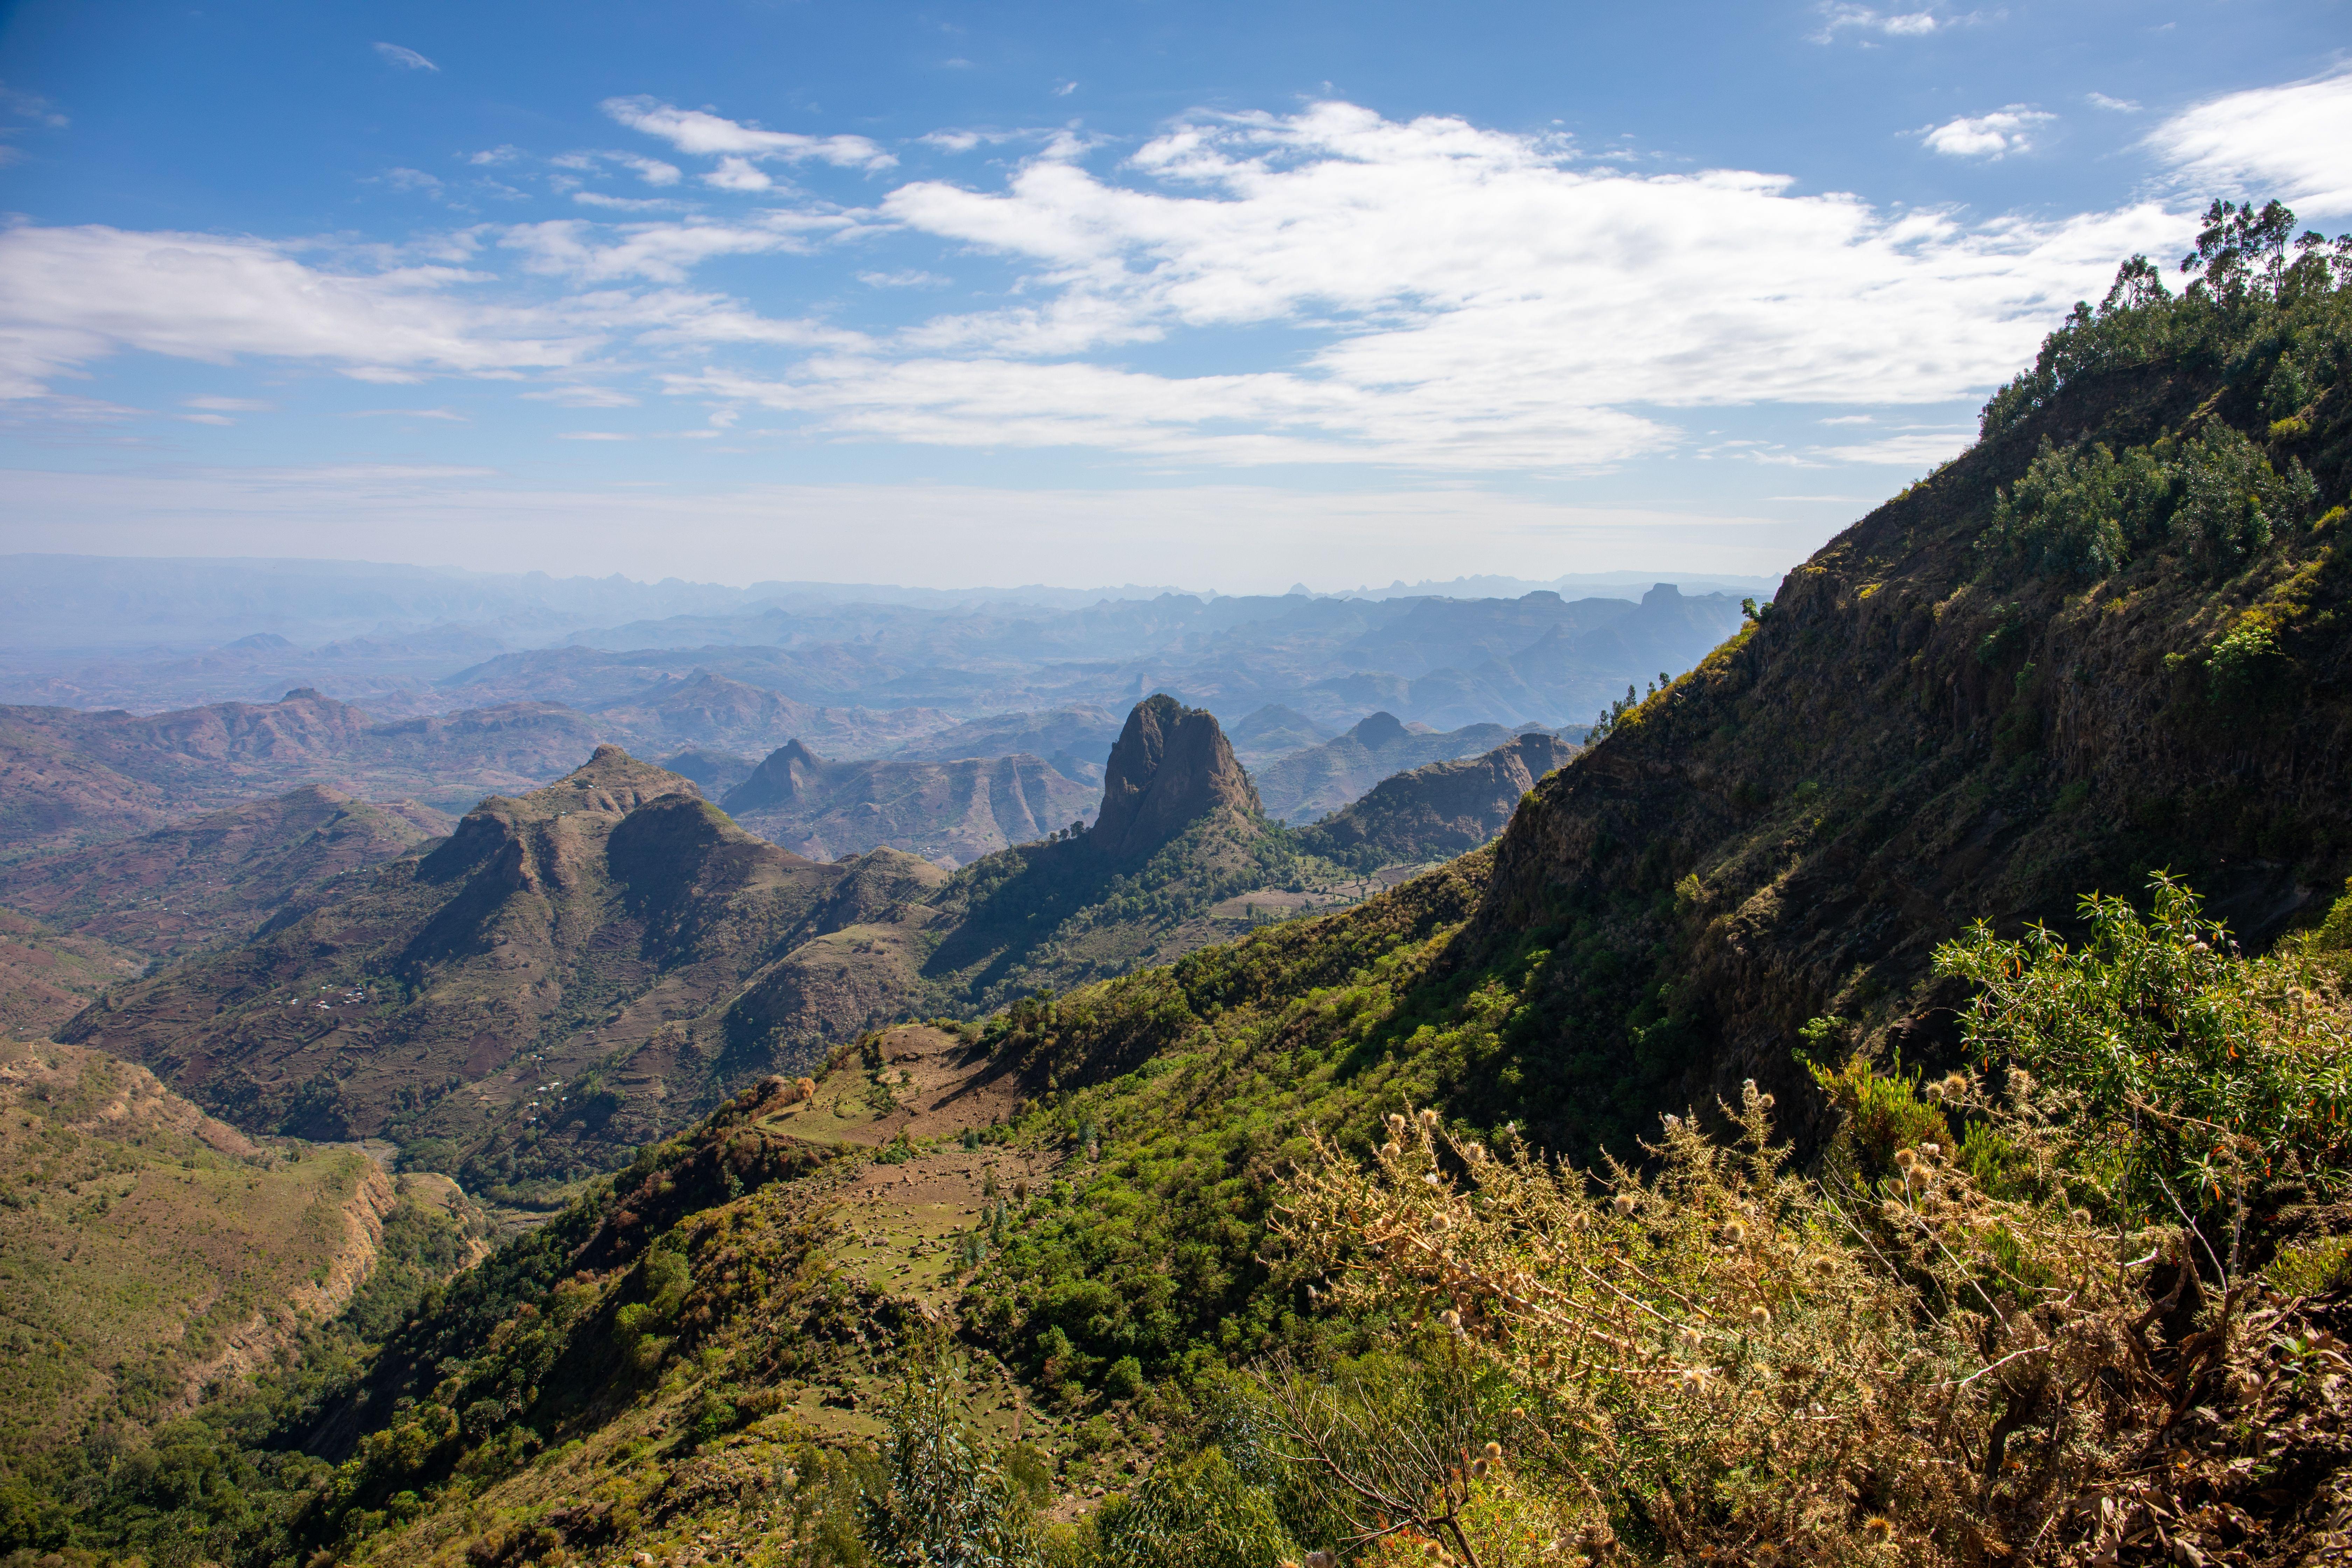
[{"x": 1727, "y": 1361}]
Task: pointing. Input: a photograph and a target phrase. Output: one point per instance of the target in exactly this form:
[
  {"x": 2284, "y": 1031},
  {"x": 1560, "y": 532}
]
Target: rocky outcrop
[{"x": 1171, "y": 767}]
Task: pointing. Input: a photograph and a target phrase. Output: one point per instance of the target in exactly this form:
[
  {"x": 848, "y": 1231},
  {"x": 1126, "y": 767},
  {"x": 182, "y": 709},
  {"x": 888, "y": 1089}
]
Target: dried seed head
[
  {"x": 1625, "y": 1203},
  {"x": 1674, "y": 1123},
  {"x": 1475, "y": 1153},
  {"x": 1689, "y": 1338},
  {"x": 1428, "y": 1119},
  {"x": 1451, "y": 1319},
  {"x": 1734, "y": 1232},
  {"x": 1318, "y": 1559},
  {"x": 1956, "y": 1084},
  {"x": 1933, "y": 1094},
  {"x": 1906, "y": 1158},
  {"x": 2082, "y": 1217},
  {"x": 1478, "y": 1469},
  {"x": 1767, "y": 1103},
  {"x": 1390, "y": 1151},
  {"x": 1824, "y": 1264},
  {"x": 1931, "y": 1151},
  {"x": 1495, "y": 1453},
  {"x": 1760, "y": 1316},
  {"x": 1747, "y": 1089},
  {"x": 1877, "y": 1527},
  {"x": 1396, "y": 1126},
  {"x": 1893, "y": 1213}
]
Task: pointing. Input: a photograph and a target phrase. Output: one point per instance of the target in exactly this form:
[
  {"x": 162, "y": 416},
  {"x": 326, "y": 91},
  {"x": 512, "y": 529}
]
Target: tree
[{"x": 948, "y": 1504}]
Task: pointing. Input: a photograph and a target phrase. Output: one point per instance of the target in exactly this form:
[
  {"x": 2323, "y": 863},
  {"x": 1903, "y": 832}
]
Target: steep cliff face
[
  {"x": 1918, "y": 737},
  {"x": 1170, "y": 768}
]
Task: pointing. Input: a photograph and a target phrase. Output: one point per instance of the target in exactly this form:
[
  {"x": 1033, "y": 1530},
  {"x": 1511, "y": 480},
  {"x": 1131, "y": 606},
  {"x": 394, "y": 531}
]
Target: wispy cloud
[
  {"x": 405, "y": 58},
  {"x": 32, "y": 107},
  {"x": 2118, "y": 105},
  {"x": 697, "y": 132},
  {"x": 1868, "y": 21},
  {"x": 228, "y": 404},
  {"x": 1994, "y": 135},
  {"x": 68, "y": 296},
  {"x": 2293, "y": 142}
]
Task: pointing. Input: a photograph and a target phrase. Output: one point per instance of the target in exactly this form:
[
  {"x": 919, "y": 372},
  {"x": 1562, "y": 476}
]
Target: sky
[{"x": 1226, "y": 295}]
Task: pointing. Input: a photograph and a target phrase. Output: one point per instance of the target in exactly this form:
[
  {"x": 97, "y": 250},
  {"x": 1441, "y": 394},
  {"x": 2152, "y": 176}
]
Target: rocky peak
[
  {"x": 1171, "y": 766},
  {"x": 1662, "y": 595},
  {"x": 1379, "y": 729},
  {"x": 777, "y": 781}
]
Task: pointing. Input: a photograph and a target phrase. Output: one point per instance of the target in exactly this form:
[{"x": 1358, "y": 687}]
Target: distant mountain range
[{"x": 905, "y": 666}]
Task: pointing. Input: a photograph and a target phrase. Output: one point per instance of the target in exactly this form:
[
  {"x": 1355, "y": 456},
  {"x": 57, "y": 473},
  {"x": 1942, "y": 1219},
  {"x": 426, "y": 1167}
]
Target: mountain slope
[
  {"x": 1313, "y": 783},
  {"x": 950, "y": 812},
  {"x": 216, "y": 876},
  {"x": 149, "y": 1249},
  {"x": 516, "y": 1004},
  {"x": 1437, "y": 812}
]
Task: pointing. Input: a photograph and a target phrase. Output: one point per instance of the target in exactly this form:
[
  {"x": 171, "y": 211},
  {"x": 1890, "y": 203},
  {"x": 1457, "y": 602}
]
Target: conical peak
[
  {"x": 777, "y": 779},
  {"x": 1171, "y": 766},
  {"x": 1378, "y": 729}
]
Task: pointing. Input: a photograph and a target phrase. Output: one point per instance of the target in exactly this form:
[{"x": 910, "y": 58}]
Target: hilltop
[
  {"x": 1438, "y": 811},
  {"x": 1314, "y": 782}
]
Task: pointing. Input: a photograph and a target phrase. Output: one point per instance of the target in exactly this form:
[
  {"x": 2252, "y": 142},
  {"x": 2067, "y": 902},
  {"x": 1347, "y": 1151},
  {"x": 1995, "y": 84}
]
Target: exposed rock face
[{"x": 1171, "y": 767}]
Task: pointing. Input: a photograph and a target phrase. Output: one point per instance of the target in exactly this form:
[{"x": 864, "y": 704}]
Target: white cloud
[
  {"x": 594, "y": 435},
  {"x": 412, "y": 180},
  {"x": 206, "y": 418},
  {"x": 1464, "y": 298},
  {"x": 1066, "y": 89},
  {"x": 229, "y": 404},
  {"x": 1839, "y": 18},
  {"x": 911, "y": 278},
  {"x": 2120, "y": 105},
  {"x": 583, "y": 397},
  {"x": 492, "y": 157},
  {"x": 2293, "y": 142},
  {"x": 652, "y": 171},
  {"x": 405, "y": 59},
  {"x": 663, "y": 252},
  {"x": 624, "y": 203},
  {"x": 29, "y": 106},
  {"x": 697, "y": 132},
  {"x": 735, "y": 173},
  {"x": 1994, "y": 135},
  {"x": 450, "y": 415},
  {"x": 68, "y": 296}
]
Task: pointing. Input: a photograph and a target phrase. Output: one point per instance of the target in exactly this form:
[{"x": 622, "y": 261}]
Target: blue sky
[{"x": 1229, "y": 296}]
